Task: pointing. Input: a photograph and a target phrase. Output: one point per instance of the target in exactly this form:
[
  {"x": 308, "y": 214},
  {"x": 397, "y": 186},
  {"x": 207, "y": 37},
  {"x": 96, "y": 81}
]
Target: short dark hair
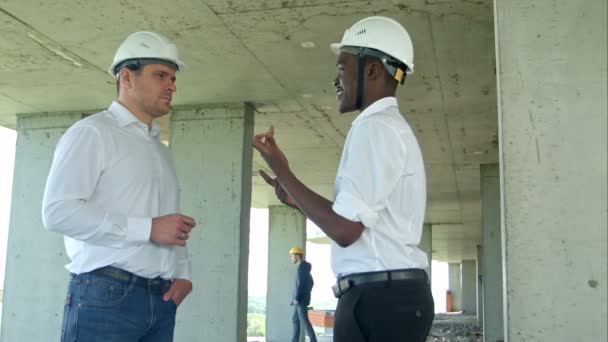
[{"x": 136, "y": 68}]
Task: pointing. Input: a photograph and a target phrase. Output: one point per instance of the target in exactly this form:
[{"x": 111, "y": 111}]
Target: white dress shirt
[
  {"x": 110, "y": 176},
  {"x": 381, "y": 183}
]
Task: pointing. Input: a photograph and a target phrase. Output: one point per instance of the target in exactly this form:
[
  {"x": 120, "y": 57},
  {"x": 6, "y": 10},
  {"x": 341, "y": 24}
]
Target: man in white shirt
[
  {"x": 113, "y": 193},
  {"x": 376, "y": 219}
]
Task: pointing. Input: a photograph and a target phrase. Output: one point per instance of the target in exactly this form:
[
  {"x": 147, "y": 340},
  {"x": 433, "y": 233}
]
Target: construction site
[{"x": 508, "y": 101}]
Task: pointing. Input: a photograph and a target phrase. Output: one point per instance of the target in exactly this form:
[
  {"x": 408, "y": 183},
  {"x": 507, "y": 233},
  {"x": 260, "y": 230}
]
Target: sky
[
  {"x": 317, "y": 254},
  {"x": 7, "y": 158}
]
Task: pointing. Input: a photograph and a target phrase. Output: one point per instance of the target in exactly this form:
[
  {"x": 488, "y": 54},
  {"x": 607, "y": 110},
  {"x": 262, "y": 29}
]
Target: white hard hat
[
  {"x": 383, "y": 34},
  {"x": 145, "y": 48}
]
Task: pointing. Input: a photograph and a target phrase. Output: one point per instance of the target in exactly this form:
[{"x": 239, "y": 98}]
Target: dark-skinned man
[{"x": 376, "y": 218}]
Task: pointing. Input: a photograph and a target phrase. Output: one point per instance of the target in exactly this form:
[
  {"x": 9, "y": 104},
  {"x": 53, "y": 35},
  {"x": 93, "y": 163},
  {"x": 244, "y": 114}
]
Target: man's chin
[{"x": 163, "y": 112}]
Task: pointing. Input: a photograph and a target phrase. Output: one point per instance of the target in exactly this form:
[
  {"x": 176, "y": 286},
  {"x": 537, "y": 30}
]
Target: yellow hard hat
[{"x": 296, "y": 250}]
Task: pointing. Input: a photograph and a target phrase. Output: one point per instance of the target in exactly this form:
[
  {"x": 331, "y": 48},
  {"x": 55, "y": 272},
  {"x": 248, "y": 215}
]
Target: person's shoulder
[
  {"x": 305, "y": 265},
  {"x": 95, "y": 122}
]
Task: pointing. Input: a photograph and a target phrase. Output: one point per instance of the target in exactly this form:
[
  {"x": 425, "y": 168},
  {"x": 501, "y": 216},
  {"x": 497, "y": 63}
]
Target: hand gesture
[
  {"x": 173, "y": 229},
  {"x": 281, "y": 194},
  {"x": 272, "y": 154}
]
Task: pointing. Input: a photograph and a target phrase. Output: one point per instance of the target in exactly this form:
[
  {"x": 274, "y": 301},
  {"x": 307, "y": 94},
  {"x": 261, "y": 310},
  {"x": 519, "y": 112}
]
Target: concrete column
[
  {"x": 286, "y": 228},
  {"x": 491, "y": 254},
  {"x": 213, "y": 157},
  {"x": 455, "y": 285},
  {"x": 426, "y": 245},
  {"x": 469, "y": 287},
  {"x": 552, "y": 81},
  {"x": 479, "y": 285},
  {"x": 35, "y": 284}
]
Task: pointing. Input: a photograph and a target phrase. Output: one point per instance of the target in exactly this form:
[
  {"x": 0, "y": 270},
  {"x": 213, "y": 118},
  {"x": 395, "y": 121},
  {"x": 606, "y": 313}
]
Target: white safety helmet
[
  {"x": 384, "y": 35},
  {"x": 146, "y": 48}
]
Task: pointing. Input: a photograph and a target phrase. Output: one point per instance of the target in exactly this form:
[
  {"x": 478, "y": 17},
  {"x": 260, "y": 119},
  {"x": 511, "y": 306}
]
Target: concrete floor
[{"x": 452, "y": 327}]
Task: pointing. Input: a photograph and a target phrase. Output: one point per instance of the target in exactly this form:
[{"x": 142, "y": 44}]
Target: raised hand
[
  {"x": 281, "y": 194},
  {"x": 272, "y": 154}
]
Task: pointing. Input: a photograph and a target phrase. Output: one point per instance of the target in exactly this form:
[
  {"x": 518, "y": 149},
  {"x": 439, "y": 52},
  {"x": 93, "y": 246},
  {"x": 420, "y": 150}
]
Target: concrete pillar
[
  {"x": 479, "y": 285},
  {"x": 455, "y": 286},
  {"x": 286, "y": 228},
  {"x": 552, "y": 81},
  {"x": 491, "y": 254},
  {"x": 213, "y": 157},
  {"x": 469, "y": 287},
  {"x": 426, "y": 245},
  {"x": 35, "y": 284}
]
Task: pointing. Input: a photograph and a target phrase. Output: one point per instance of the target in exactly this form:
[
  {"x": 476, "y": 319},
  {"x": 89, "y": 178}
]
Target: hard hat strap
[
  {"x": 394, "y": 67},
  {"x": 360, "y": 77}
]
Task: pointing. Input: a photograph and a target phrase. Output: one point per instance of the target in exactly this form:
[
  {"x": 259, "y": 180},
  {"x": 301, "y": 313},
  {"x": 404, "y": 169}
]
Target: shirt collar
[
  {"x": 376, "y": 107},
  {"x": 126, "y": 118}
]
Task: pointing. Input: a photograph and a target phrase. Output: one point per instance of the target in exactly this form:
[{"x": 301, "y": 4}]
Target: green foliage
[
  {"x": 256, "y": 305},
  {"x": 256, "y": 324}
]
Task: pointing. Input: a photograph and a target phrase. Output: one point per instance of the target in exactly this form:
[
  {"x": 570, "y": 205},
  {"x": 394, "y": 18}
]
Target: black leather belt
[
  {"x": 346, "y": 282},
  {"x": 154, "y": 285}
]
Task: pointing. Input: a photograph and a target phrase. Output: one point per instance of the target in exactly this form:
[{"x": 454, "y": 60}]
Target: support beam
[
  {"x": 552, "y": 82},
  {"x": 287, "y": 228},
  {"x": 213, "y": 156},
  {"x": 479, "y": 281},
  {"x": 36, "y": 281},
  {"x": 469, "y": 287},
  {"x": 455, "y": 285},
  {"x": 491, "y": 254}
]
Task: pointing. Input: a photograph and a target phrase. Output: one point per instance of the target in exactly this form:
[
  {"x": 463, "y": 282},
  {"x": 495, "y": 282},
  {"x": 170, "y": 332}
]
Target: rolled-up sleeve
[{"x": 368, "y": 174}]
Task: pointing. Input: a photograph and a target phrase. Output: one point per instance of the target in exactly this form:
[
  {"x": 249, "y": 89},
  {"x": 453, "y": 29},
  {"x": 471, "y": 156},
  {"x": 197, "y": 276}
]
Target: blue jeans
[
  {"x": 300, "y": 314},
  {"x": 101, "y": 309}
]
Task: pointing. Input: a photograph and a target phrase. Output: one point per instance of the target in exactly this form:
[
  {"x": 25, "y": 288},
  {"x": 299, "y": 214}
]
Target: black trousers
[{"x": 387, "y": 311}]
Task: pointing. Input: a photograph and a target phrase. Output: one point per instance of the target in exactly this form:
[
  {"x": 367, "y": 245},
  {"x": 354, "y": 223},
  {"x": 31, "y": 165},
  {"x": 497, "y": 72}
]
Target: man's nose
[{"x": 172, "y": 87}]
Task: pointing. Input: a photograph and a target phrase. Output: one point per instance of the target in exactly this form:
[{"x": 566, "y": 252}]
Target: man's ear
[
  {"x": 374, "y": 70},
  {"x": 125, "y": 78}
]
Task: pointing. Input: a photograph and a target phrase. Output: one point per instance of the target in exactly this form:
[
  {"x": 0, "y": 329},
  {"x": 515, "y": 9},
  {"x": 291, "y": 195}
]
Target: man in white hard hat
[
  {"x": 113, "y": 193},
  {"x": 301, "y": 295},
  {"x": 376, "y": 219}
]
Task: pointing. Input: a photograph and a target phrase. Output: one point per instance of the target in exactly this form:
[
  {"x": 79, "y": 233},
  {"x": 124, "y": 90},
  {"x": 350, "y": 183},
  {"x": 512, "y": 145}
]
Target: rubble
[{"x": 455, "y": 327}]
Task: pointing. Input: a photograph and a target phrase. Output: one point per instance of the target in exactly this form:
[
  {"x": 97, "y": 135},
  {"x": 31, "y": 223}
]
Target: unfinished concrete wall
[
  {"x": 286, "y": 229},
  {"x": 35, "y": 284},
  {"x": 212, "y": 150},
  {"x": 469, "y": 287},
  {"x": 552, "y": 82},
  {"x": 455, "y": 284},
  {"x": 492, "y": 281}
]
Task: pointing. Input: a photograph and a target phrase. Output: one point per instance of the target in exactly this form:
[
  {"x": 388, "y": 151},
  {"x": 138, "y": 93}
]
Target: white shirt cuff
[
  {"x": 139, "y": 229},
  {"x": 182, "y": 270},
  {"x": 354, "y": 209}
]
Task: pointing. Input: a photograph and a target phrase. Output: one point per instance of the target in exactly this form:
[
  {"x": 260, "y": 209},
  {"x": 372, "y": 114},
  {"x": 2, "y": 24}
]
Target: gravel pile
[{"x": 455, "y": 328}]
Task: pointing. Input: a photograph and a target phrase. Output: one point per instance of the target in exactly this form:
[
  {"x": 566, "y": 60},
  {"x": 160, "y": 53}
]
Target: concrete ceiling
[{"x": 54, "y": 56}]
